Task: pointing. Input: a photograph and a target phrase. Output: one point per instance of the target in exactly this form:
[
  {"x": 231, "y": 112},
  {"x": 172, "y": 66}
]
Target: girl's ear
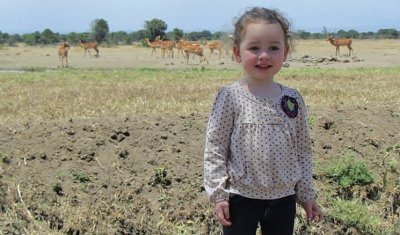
[
  {"x": 236, "y": 53},
  {"x": 287, "y": 49}
]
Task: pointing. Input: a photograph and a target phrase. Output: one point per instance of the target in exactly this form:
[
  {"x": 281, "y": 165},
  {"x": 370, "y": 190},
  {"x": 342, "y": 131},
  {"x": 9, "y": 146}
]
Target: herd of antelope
[{"x": 183, "y": 46}]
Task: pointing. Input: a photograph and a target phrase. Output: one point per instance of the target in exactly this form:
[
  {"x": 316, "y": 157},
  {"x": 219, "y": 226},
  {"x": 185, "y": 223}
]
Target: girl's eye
[
  {"x": 253, "y": 48},
  {"x": 274, "y": 48}
]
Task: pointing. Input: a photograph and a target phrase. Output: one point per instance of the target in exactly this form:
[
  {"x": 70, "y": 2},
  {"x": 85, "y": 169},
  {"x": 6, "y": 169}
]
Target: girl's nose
[{"x": 263, "y": 55}]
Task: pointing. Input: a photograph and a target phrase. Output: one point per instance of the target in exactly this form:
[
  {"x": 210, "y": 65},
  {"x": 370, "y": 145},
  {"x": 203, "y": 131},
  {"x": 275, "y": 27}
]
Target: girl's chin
[{"x": 261, "y": 78}]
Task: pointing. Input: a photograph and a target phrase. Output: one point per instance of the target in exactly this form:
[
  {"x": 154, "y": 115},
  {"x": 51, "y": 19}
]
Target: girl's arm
[
  {"x": 304, "y": 188},
  {"x": 217, "y": 147}
]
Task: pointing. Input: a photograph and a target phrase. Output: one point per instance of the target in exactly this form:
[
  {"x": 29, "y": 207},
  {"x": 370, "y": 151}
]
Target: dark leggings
[{"x": 274, "y": 216}]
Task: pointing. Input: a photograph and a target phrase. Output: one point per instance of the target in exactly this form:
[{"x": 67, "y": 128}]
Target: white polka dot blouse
[{"x": 258, "y": 147}]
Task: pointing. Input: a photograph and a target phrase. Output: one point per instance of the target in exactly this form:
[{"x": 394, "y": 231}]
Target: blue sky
[{"x": 64, "y": 16}]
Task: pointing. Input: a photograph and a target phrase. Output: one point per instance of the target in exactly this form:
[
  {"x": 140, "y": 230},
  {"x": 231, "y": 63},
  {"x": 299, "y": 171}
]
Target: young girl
[{"x": 257, "y": 160}]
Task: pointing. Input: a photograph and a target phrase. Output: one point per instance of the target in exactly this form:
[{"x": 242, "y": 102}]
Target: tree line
[{"x": 156, "y": 27}]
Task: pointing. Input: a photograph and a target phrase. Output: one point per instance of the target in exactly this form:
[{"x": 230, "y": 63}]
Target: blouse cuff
[
  {"x": 222, "y": 196},
  {"x": 302, "y": 197}
]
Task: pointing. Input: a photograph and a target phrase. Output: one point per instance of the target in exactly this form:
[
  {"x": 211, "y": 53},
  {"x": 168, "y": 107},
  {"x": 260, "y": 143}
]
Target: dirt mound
[{"x": 143, "y": 174}]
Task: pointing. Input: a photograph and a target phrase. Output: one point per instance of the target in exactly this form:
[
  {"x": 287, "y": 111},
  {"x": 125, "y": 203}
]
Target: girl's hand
[
  {"x": 222, "y": 213},
  {"x": 312, "y": 210}
]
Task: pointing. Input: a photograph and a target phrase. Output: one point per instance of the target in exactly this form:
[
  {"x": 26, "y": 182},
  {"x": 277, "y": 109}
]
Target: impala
[
  {"x": 196, "y": 50},
  {"x": 88, "y": 46},
  {"x": 63, "y": 53},
  {"x": 338, "y": 42},
  {"x": 215, "y": 46},
  {"x": 153, "y": 45}
]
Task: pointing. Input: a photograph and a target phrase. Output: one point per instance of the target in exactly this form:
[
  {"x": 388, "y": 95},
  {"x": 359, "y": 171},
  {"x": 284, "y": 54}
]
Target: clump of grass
[
  {"x": 355, "y": 214},
  {"x": 349, "y": 172},
  {"x": 5, "y": 159},
  {"x": 33, "y": 69},
  {"x": 311, "y": 120},
  {"x": 394, "y": 165},
  {"x": 58, "y": 189},
  {"x": 160, "y": 177},
  {"x": 81, "y": 177}
]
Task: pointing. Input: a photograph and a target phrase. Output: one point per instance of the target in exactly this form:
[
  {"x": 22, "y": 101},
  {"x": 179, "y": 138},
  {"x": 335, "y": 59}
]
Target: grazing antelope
[
  {"x": 214, "y": 46},
  {"x": 195, "y": 50},
  {"x": 88, "y": 46},
  {"x": 340, "y": 42},
  {"x": 63, "y": 53}
]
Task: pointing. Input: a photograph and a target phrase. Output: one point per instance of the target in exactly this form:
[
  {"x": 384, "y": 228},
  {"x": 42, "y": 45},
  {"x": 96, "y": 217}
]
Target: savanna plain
[{"x": 114, "y": 145}]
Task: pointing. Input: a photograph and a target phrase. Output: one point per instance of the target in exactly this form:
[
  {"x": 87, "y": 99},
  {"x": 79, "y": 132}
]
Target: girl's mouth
[{"x": 263, "y": 66}]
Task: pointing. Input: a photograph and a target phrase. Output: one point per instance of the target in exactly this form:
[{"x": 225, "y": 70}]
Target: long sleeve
[
  {"x": 217, "y": 147},
  {"x": 304, "y": 188}
]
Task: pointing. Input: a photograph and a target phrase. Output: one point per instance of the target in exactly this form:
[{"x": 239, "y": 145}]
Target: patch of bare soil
[{"x": 143, "y": 174}]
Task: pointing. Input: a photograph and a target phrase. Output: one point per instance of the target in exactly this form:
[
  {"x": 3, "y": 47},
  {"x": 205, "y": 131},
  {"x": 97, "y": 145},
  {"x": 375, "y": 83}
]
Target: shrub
[{"x": 349, "y": 173}]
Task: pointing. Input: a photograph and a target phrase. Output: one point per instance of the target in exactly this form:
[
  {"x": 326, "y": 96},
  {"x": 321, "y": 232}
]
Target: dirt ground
[
  {"x": 128, "y": 169},
  {"x": 143, "y": 174},
  {"x": 367, "y": 53}
]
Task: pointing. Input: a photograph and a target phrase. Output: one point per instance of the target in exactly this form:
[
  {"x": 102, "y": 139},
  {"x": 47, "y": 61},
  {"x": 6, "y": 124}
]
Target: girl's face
[{"x": 262, "y": 50}]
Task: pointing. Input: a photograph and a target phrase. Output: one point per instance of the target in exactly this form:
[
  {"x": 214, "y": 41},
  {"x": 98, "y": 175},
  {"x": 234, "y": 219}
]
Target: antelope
[
  {"x": 179, "y": 45},
  {"x": 181, "y": 42},
  {"x": 63, "y": 53},
  {"x": 196, "y": 50},
  {"x": 153, "y": 45},
  {"x": 167, "y": 45},
  {"x": 214, "y": 46},
  {"x": 88, "y": 46},
  {"x": 340, "y": 42}
]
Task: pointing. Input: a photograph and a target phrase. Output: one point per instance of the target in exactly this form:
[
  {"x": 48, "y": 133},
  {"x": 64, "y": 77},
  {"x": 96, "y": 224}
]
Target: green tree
[
  {"x": 317, "y": 36},
  {"x": 341, "y": 34},
  {"x": 3, "y": 37},
  {"x": 32, "y": 39},
  {"x": 303, "y": 34},
  {"x": 13, "y": 39},
  {"x": 48, "y": 37},
  {"x": 86, "y": 36},
  {"x": 72, "y": 38},
  {"x": 117, "y": 38},
  {"x": 154, "y": 28},
  {"x": 388, "y": 33},
  {"x": 352, "y": 33},
  {"x": 138, "y": 35},
  {"x": 367, "y": 35},
  {"x": 202, "y": 35},
  {"x": 100, "y": 29},
  {"x": 177, "y": 34},
  {"x": 219, "y": 35}
]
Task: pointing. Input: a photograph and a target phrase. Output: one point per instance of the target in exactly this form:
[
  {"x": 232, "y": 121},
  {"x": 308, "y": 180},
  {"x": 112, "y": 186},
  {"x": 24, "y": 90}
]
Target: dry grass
[
  {"x": 331, "y": 87},
  {"x": 85, "y": 93},
  {"x": 72, "y": 93}
]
